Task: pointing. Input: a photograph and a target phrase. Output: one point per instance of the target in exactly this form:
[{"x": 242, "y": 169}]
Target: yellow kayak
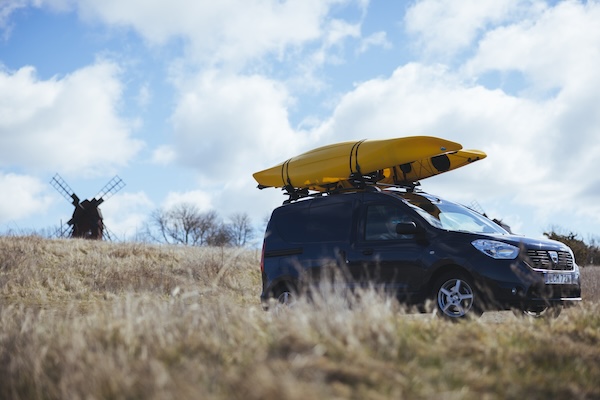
[
  {"x": 324, "y": 167},
  {"x": 430, "y": 166},
  {"x": 410, "y": 173}
]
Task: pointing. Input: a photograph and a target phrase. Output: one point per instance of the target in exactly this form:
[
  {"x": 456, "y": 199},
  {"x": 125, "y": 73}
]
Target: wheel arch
[
  {"x": 283, "y": 284},
  {"x": 443, "y": 270}
]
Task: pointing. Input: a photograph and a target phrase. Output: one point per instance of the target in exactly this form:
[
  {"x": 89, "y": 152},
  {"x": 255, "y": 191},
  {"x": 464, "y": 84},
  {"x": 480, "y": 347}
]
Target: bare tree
[
  {"x": 184, "y": 224},
  {"x": 220, "y": 235},
  {"x": 240, "y": 228}
]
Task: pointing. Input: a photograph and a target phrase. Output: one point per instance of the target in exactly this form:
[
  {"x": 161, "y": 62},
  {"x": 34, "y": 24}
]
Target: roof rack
[
  {"x": 407, "y": 186},
  {"x": 358, "y": 184}
]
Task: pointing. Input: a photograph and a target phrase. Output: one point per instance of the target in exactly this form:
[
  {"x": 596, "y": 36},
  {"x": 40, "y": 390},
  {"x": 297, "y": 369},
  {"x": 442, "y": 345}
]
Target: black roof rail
[
  {"x": 333, "y": 189},
  {"x": 407, "y": 186}
]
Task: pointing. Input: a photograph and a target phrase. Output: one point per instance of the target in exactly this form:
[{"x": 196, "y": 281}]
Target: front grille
[{"x": 540, "y": 259}]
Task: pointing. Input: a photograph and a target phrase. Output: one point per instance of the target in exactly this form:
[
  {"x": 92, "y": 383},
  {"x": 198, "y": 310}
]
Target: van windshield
[{"x": 451, "y": 216}]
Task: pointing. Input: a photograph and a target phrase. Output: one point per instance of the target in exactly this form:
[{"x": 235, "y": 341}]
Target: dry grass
[
  {"x": 590, "y": 284},
  {"x": 35, "y": 271},
  {"x": 98, "y": 320}
]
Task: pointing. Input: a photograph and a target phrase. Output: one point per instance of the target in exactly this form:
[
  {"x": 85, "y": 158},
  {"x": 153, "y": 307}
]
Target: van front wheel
[
  {"x": 455, "y": 297},
  {"x": 549, "y": 312}
]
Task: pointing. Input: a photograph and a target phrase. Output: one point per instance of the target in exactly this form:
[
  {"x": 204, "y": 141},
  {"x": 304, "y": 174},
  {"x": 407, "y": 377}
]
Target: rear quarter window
[{"x": 323, "y": 221}]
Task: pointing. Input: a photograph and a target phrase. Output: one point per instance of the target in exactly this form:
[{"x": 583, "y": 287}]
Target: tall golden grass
[{"x": 94, "y": 320}]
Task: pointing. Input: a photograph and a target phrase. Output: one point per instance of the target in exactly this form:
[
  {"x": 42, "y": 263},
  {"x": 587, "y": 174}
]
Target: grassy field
[{"x": 95, "y": 320}]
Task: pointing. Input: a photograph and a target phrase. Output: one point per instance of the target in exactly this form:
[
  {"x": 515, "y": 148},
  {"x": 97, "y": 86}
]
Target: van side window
[
  {"x": 382, "y": 220},
  {"x": 329, "y": 221}
]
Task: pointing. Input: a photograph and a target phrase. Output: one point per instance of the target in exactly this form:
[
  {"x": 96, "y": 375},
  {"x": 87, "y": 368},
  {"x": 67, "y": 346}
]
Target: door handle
[{"x": 367, "y": 252}]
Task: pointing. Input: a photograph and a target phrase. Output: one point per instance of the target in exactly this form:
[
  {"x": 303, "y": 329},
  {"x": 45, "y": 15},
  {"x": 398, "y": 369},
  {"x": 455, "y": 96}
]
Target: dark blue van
[{"x": 418, "y": 247}]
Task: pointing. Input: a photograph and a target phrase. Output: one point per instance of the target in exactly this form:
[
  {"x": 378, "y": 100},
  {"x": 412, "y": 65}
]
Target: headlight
[{"x": 495, "y": 249}]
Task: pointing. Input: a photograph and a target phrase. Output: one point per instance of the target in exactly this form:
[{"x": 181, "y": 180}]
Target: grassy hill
[{"x": 81, "y": 319}]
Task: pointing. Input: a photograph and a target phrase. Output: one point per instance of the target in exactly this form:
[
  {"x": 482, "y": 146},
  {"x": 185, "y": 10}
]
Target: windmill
[
  {"x": 475, "y": 206},
  {"x": 87, "y": 221}
]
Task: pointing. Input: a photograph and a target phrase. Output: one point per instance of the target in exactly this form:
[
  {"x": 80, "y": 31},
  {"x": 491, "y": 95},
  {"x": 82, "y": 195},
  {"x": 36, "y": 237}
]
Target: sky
[{"x": 185, "y": 100}]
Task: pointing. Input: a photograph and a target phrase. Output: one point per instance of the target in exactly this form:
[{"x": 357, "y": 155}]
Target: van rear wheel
[
  {"x": 285, "y": 296},
  {"x": 455, "y": 297}
]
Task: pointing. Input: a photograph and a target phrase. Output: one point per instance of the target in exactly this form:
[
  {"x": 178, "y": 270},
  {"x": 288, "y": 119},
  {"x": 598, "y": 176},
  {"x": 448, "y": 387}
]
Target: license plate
[{"x": 559, "y": 279}]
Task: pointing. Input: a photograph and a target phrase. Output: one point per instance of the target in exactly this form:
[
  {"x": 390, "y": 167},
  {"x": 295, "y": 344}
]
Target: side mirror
[
  {"x": 410, "y": 228},
  {"x": 406, "y": 228}
]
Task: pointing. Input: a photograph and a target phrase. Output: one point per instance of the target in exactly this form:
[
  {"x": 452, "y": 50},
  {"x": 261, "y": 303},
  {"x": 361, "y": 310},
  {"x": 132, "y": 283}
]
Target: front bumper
[{"x": 528, "y": 288}]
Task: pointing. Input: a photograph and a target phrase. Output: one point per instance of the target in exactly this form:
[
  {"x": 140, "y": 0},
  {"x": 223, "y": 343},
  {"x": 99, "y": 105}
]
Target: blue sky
[{"x": 185, "y": 100}]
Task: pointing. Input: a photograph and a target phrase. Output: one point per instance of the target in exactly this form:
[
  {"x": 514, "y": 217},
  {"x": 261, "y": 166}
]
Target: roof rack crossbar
[{"x": 358, "y": 182}]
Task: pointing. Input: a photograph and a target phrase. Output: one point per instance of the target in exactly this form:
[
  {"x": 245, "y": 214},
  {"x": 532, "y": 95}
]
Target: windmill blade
[
  {"x": 63, "y": 188},
  {"x": 475, "y": 206},
  {"x": 63, "y": 231},
  {"x": 107, "y": 234},
  {"x": 112, "y": 187}
]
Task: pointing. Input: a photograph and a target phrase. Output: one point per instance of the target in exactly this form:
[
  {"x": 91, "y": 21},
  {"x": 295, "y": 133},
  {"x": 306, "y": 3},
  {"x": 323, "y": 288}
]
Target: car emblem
[{"x": 553, "y": 256}]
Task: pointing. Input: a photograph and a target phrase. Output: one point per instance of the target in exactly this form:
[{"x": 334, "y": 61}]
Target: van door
[
  {"x": 382, "y": 257},
  {"x": 328, "y": 228}
]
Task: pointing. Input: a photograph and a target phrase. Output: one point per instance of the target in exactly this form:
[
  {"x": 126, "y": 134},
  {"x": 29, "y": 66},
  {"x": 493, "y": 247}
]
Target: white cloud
[
  {"x": 22, "y": 196},
  {"x": 201, "y": 199},
  {"x": 164, "y": 155},
  {"x": 125, "y": 214},
  {"x": 523, "y": 163},
  {"x": 7, "y": 7},
  {"x": 377, "y": 39},
  {"x": 227, "y": 127},
  {"x": 445, "y": 27},
  {"x": 144, "y": 96},
  {"x": 69, "y": 124},
  {"x": 339, "y": 30},
  {"x": 230, "y": 30},
  {"x": 556, "y": 49},
  {"x": 422, "y": 100},
  {"x": 559, "y": 56}
]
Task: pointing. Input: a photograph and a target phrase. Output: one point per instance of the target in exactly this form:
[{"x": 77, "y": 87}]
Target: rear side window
[
  {"x": 290, "y": 223},
  {"x": 327, "y": 220}
]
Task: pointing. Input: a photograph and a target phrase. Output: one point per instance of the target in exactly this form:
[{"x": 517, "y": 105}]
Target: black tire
[
  {"x": 456, "y": 297},
  {"x": 549, "y": 312},
  {"x": 285, "y": 295}
]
